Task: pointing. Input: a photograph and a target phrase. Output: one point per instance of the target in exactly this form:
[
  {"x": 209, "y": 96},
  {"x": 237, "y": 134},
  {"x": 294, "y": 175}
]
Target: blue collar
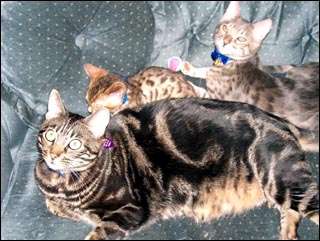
[
  {"x": 60, "y": 173},
  {"x": 219, "y": 58},
  {"x": 125, "y": 98}
]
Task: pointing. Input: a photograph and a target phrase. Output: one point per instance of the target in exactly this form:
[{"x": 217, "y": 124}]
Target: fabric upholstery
[
  {"x": 185, "y": 29},
  {"x": 45, "y": 44}
]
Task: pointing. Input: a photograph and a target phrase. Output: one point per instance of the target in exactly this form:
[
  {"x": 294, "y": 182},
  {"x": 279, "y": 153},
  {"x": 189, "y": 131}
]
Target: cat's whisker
[
  {"x": 31, "y": 155},
  {"x": 83, "y": 184},
  {"x": 74, "y": 181}
]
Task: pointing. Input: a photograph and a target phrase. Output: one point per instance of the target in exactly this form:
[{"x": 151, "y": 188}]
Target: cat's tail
[{"x": 308, "y": 139}]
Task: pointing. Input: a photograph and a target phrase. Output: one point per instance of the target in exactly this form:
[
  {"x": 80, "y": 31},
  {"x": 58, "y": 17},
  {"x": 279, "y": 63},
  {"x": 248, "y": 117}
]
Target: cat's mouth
[
  {"x": 62, "y": 165},
  {"x": 224, "y": 51},
  {"x": 231, "y": 53},
  {"x": 54, "y": 165}
]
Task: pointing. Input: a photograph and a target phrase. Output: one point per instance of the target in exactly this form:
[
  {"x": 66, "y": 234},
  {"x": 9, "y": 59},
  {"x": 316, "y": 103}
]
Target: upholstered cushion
[{"x": 44, "y": 46}]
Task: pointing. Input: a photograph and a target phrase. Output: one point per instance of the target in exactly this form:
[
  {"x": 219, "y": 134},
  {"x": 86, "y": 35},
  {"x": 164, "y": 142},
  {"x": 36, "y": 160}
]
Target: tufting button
[
  {"x": 190, "y": 34},
  {"x": 81, "y": 41}
]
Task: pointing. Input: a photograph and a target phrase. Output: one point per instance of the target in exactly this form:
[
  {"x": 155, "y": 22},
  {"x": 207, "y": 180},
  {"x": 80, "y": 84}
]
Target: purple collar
[{"x": 108, "y": 143}]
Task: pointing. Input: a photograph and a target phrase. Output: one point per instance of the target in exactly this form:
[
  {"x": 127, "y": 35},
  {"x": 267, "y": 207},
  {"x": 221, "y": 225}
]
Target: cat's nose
[
  {"x": 227, "y": 39},
  {"x": 56, "y": 151},
  {"x": 54, "y": 155}
]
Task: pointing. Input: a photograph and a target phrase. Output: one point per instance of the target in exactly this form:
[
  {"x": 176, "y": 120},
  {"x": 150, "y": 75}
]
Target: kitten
[
  {"x": 294, "y": 97},
  {"x": 196, "y": 157},
  {"x": 115, "y": 92}
]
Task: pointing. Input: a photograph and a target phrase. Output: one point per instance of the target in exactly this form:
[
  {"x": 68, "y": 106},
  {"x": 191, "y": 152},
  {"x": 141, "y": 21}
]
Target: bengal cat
[
  {"x": 242, "y": 78},
  {"x": 115, "y": 92}
]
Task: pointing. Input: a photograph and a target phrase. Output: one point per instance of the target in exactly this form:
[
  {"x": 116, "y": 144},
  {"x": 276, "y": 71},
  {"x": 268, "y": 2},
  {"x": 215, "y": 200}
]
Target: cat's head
[
  {"x": 105, "y": 89},
  {"x": 69, "y": 142},
  {"x": 238, "y": 39}
]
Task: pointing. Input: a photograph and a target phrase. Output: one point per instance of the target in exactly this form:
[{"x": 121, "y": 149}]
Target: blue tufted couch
[{"x": 44, "y": 46}]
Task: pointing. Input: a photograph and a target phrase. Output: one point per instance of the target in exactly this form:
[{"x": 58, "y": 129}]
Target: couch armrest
[{"x": 13, "y": 131}]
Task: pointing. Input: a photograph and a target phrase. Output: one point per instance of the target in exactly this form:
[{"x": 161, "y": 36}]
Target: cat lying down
[{"x": 200, "y": 158}]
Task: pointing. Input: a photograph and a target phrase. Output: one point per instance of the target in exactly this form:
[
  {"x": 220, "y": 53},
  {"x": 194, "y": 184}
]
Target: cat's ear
[
  {"x": 94, "y": 72},
  {"x": 114, "y": 94},
  {"x": 261, "y": 29},
  {"x": 233, "y": 11},
  {"x": 98, "y": 122},
  {"x": 55, "y": 106}
]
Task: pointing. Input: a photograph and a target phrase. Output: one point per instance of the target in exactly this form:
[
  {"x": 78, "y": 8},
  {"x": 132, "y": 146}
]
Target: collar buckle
[{"x": 219, "y": 58}]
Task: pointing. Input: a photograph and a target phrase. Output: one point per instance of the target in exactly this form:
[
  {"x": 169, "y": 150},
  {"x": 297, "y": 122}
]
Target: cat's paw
[
  {"x": 187, "y": 68},
  {"x": 284, "y": 237},
  {"x": 61, "y": 211},
  {"x": 289, "y": 234},
  {"x": 55, "y": 209},
  {"x": 95, "y": 235}
]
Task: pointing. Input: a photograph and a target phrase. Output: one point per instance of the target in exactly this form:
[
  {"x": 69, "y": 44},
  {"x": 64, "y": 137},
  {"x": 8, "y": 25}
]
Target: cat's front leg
[
  {"x": 289, "y": 224},
  {"x": 61, "y": 210},
  {"x": 107, "y": 231},
  {"x": 118, "y": 224},
  {"x": 188, "y": 69}
]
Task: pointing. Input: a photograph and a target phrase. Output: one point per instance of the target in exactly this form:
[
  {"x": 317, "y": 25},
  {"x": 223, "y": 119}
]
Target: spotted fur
[
  {"x": 200, "y": 158},
  {"x": 150, "y": 84},
  {"x": 294, "y": 97}
]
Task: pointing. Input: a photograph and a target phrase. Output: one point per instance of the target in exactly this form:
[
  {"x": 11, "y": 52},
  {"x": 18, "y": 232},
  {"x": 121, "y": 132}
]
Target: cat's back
[
  {"x": 307, "y": 71},
  {"x": 155, "y": 75},
  {"x": 211, "y": 109},
  {"x": 200, "y": 140},
  {"x": 156, "y": 83},
  {"x": 291, "y": 95},
  {"x": 300, "y": 99},
  {"x": 199, "y": 109},
  {"x": 193, "y": 123}
]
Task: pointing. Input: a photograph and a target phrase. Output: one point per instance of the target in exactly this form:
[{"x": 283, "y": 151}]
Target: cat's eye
[
  {"x": 225, "y": 28},
  {"x": 242, "y": 39},
  {"x": 75, "y": 144},
  {"x": 50, "y": 135}
]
